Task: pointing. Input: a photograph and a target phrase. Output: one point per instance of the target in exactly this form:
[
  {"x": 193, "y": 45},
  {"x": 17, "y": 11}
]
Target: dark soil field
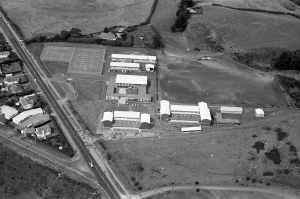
[
  {"x": 217, "y": 82},
  {"x": 57, "y": 68},
  {"x": 88, "y": 102},
  {"x": 22, "y": 178},
  {"x": 246, "y": 30},
  {"x": 218, "y": 157}
]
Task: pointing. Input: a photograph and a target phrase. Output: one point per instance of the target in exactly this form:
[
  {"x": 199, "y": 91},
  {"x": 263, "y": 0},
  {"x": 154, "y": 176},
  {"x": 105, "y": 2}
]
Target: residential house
[
  {"x": 4, "y": 54},
  {"x": 10, "y": 80},
  {"x": 9, "y": 112},
  {"x": 42, "y": 132},
  {"x": 26, "y": 114},
  {"x": 26, "y": 102},
  {"x": 14, "y": 67},
  {"x": 16, "y": 88},
  {"x": 108, "y": 36}
]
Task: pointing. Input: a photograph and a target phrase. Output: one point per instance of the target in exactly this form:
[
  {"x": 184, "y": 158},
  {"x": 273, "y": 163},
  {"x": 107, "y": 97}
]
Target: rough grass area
[
  {"x": 23, "y": 178},
  {"x": 246, "y": 30},
  {"x": 57, "y": 68},
  {"x": 36, "y": 50},
  {"x": 88, "y": 102},
  {"x": 43, "y": 16},
  {"x": 220, "y": 157},
  {"x": 219, "y": 81}
]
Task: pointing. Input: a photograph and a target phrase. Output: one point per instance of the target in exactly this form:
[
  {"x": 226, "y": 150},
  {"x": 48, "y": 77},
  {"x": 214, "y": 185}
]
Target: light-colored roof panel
[
  {"x": 259, "y": 111},
  {"x": 108, "y": 116},
  {"x": 131, "y": 79},
  {"x": 232, "y": 109},
  {"x": 26, "y": 114},
  {"x": 125, "y": 64},
  {"x": 196, "y": 128},
  {"x": 8, "y": 111},
  {"x": 164, "y": 107},
  {"x": 133, "y": 56},
  {"x": 145, "y": 117},
  {"x": 127, "y": 114},
  {"x": 184, "y": 108},
  {"x": 202, "y": 105},
  {"x": 205, "y": 114}
]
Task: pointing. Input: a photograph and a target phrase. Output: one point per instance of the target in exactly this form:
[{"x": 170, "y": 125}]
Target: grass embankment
[
  {"x": 216, "y": 158},
  {"x": 23, "y": 178}
]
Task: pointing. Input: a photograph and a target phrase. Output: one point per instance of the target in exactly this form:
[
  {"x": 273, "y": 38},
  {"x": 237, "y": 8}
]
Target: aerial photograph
[{"x": 149, "y": 99}]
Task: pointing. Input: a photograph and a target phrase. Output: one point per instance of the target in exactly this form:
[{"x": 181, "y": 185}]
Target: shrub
[
  {"x": 267, "y": 128},
  {"x": 274, "y": 156},
  {"x": 281, "y": 136}
]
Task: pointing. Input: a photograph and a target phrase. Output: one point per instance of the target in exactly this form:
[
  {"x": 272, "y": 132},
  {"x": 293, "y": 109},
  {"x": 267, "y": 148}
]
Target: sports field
[
  {"x": 57, "y": 53},
  {"x": 87, "y": 62}
]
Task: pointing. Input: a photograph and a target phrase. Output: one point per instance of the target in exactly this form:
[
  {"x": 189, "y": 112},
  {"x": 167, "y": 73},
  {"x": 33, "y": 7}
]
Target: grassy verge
[{"x": 58, "y": 87}]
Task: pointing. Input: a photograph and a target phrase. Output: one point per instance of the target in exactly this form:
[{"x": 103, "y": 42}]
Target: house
[
  {"x": 8, "y": 112},
  {"x": 259, "y": 112},
  {"x": 26, "y": 114},
  {"x": 27, "y": 131},
  {"x": 42, "y": 132},
  {"x": 4, "y": 54},
  {"x": 107, "y": 119},
  {"x": 145, "y": 121},
  {"x": 16, "y": 88},
  {"x": 10, "y": 80},
  {"x": 108, "y": 36},
  {"x": 26, "y": 102},
  {"x": 14, "y": 67}
]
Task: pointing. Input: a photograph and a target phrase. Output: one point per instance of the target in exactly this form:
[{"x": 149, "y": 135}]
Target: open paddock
[
  {"x": 87, "y": 62},
  {"x": 57, "y": 53}
]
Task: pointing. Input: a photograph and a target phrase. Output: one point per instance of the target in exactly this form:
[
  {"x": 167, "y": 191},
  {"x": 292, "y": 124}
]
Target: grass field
[
  {"x": 88, "y": 102},
  {"x": 57, "y": 53},
  {"x": 219, "y": 157},
  {"x": 246, "y": 30},
  {"x": 57, "y": 68},
  {"x": 219, "y": 81},
  {"x": 42, "y": 16},
  {"x": 22, "y": 178}
]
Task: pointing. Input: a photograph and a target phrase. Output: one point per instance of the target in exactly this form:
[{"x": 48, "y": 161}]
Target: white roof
[
  {"x": 202, "y": 105},
  {"x": 127, "y": 114},
  {"x": 164, "y": 107},
  {"x": 149, "y": 65},
  {"x": 228, "y": 108},
  {"x": 196, "y": 128},
  {"x": 126, "y": 64},
  {"x": 145, "y": 117},
  {"x": 184, "y": 108},
  {"x": 27, "y": 114},
  {"x": 108, "y": 116},
  {"x": 8, "y": 111},
  {"x": 131, "y": 79},
  {"x": 133, "y": 56},
  {"x": 259, "y": 111},
  {"x": 205, "y": 114},
  {"x": 4, "y": 53}
]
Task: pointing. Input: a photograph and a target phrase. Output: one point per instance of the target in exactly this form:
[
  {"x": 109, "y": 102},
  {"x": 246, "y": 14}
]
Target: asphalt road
[{"x": 26, "y": 58}]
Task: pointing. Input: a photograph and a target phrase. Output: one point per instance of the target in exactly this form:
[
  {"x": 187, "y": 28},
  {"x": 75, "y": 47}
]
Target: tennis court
[{"x": 57, "y": 53}]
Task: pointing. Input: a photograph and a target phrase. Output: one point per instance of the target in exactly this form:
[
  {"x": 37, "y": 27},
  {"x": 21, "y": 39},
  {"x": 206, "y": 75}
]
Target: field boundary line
[{"x": 70, "y": 63}]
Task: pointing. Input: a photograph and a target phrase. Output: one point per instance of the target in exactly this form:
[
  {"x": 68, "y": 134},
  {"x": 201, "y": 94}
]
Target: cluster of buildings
[
  {"x": 142, "y": 63},
  {"x": 40, "y": 133},
  {"x": 126, "y": 120}
]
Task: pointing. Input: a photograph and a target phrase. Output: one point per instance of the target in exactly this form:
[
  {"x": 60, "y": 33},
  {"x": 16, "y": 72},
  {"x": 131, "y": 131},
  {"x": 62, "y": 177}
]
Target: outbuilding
[
  {"x": 145, "y": 121},
  {"x": 127, "y": 115},
  {"x": 259, "y": 112},
  {"x": 107, "y": 119},
  {"x": 204, "y": 114},
  {"x": 164, "y": 110},
  {"x": 231, "y": 110},
  {"x": 131, "y": 80}
]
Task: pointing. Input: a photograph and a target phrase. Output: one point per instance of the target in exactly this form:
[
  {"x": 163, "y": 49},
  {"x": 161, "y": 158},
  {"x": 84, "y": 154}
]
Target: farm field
[
  {"x": 245, "y": 30},
  {"x": 219, "y": 81},
  {"x": 43, "y": 16},
  {"x": 220, "y": 157},
  {"x": 88, "y": 103},
  {"x": 22, "y": 178}
]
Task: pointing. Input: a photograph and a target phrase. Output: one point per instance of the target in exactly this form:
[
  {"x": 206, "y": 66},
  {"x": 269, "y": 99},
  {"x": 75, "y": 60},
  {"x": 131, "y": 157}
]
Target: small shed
[
  {"x": 145, "y": 121},
  {"x": 259, "y": 112},
  {"x": 107, "y": 119}
]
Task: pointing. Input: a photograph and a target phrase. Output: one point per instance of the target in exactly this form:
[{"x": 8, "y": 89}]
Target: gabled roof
[
  {"x": 43, "y": 129},
  {"x": 184, "y": 108},
  {"x": 108, "y": 116},
  {"x": 8, "y": 111},
  {"x": 16, "y": 88},
  {"x": 233, "y": 109},
  {"x": 131, "y": 79},
  {"x": 164, "y": 107},
  {"x": 145, "y": 118},
  {"x": 127, "y": 114},
  {"x": 25, "y": 101}
]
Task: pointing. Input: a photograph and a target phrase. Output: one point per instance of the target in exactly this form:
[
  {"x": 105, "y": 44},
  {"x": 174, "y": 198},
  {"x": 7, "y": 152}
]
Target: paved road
[{"x": 27, "y": 60}]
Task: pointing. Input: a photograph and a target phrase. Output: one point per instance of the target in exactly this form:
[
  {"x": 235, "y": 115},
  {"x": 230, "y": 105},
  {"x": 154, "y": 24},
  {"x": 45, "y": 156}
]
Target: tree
[
  {"x": 295, "y": 62},
  {"x": 105, "y": 30},
  {"x": 64, "y": 35},
  {"x": 283, "y": 62},
  {"x": 75, "y": 32}
]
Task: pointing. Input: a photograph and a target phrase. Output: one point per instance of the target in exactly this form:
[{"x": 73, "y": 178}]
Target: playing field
[
  {"x": 57, "y": 53},
  {"x": 87, "y": 62}
]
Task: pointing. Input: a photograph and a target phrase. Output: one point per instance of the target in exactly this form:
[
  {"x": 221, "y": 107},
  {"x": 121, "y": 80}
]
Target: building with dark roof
[
  {"x": 16, "y": 88},
  {"x": 9, "y": 80},
  {"x": 14, "y": 67}
]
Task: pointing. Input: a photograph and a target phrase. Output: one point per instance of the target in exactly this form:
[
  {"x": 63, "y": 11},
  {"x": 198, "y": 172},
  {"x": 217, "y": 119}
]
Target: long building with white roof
[
  {"x": 127, "y": 115},
  {"x": 9, "y": 112},
  {"x": 131, "y": 80},
  {"x": 26, "y": 114},
  {"x": 184, "y": 109},
  {"x": 133, "y": 58},
  {"x": 124, "y": 66}
]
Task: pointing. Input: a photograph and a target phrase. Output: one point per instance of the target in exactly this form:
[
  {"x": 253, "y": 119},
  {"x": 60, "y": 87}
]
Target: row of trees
[
  {"x": 13, "y": 25},
  {"x": 183, "y": 16},
  {"x": 288, "y": 61}
]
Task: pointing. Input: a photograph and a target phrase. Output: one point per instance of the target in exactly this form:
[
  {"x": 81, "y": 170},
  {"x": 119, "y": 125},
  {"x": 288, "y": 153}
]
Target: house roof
[
  {"x": 145, "y": 118},
  {"x": 12, "y": 68},
  {"x": 131, "y": 79},
  {"x": 184, "y": 108},
  {"x": 144, "y": 57},
  {"x": 16, "y": 88},
  {"x": 43, "y": 129},
  {"x": 28, "y": 130},
  {"x": 8, "y": 111},
  {"x": 164, "y": 107},
  {"x": 259, "y": 111},
  {"x": 11, "y": 79},
  {"x": 108, "y": 116},
  {"x": 205, "y": 114},
  {"x": 195, "y": 128},
  {"x": 27, "y": 114},
  {"x": 127, "y": 114},
  {"x": 107, "y": 35},
  {"x": 202, "y": 105},
  {"x": 25, "y": 101},
  {"x": 6, "y": 53},
  {"x": 125, "y": 64},
  {"x": 231, "y": 109}
]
